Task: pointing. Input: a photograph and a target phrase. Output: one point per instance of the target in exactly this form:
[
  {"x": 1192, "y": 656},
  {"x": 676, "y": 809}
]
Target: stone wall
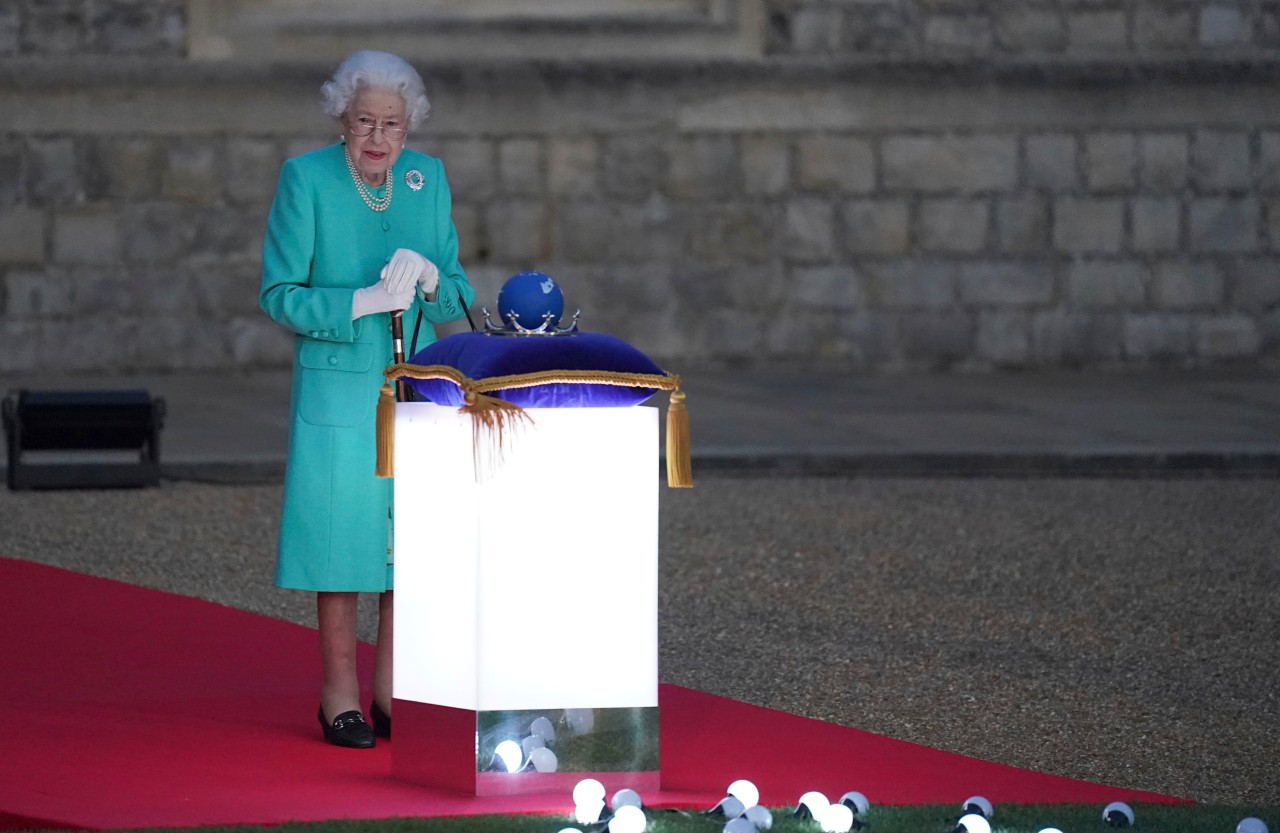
[{"x": 913, "y": 213}]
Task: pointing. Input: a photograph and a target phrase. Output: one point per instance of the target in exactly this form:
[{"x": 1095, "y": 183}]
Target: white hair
[{"x": 369, "y": 69}]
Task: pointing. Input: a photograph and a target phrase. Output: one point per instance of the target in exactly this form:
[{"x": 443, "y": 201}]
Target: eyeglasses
[{"x": 364, "y": 127}]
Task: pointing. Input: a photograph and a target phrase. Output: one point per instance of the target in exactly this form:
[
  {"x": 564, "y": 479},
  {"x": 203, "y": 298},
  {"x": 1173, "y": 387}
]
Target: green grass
[{"x": 1070, "y": 818}]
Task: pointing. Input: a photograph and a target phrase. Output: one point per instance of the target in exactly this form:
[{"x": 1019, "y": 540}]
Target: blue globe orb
[{"x": 527, "y": 298}]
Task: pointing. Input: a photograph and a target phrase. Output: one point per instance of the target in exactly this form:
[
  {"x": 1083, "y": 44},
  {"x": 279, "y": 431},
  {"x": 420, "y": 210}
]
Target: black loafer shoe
[
  {"x": 381, "y": 721},
  {"x": 347, "y": 729}
]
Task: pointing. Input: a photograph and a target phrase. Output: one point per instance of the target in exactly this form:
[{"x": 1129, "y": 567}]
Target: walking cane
[{"x": 397, "y": 349}]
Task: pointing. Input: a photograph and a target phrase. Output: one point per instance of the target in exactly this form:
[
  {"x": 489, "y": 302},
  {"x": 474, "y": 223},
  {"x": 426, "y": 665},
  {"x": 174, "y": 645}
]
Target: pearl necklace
[{"x": 365, "y": 194}]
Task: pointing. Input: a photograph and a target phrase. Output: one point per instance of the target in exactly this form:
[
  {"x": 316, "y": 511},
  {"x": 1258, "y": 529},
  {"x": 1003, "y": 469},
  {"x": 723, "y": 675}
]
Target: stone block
[
  {"x": 835, "y": 163},
  {"x": 253, "y": 167},
  {"x": 1106, "y": 284},
  {"x": 1075, "y": 338},
  {"x": 1221, "y": 160},
  {"x": 1271, "y": 222},
  {"x": 1022, "y": 224},
  {"x": 53, "y": 174},
  {"x": 1110, "y": 162},
  {"x": 966, "y": 33},
  {"x": 1022, "y": 29},
  {"x": 1158, "y": 28},
  {"x": 222, "y": 230},
  {"x": 471, "y": 167},
  {"x": 1234, "y": 336},
  {"x": 36, "y": 293},
  {"x": 129, "y": 167},
  {"x": 1156, "y": 224},
  {"x": 704, "y": 167},
  {"x": 931, "y": 164},
  {"x": 1165, "y": 162},
  {"x": 912, "y": 284},
  {"x": 1084, "y": 225},
  {"x": 877, "y": 28},
  {"x": 590, "y": 232},
  {"x": 936, "y": 339},
  {"x": 257, "y": 341},
  {"x": 1003, "y": 337},
  {"x": 837, "y": 288},
  {"x": 1269, "y": 160},
  {"x": 10, "y": 24},
  {"x": 1254, "y": 283},
  {"x": 1094, "y": 31},
  {"x": 1004, "y": 284},
  {"x": 766, "y": 165},
  {"x": 518, "y": 231},
  {"x": 875, "y": 226},
  {"x": 87, "y": 235},
  {"x": 1224, "y": 26},
  {"x": 1224, "y": 224},
  {"x": 23, "y": 352},
  {"x": 194, "y": 172},
  {"x": 22, "y": 235},
  {"x": 743, "y": 231},
  {"x": 633, "y": 167},
  {"x": 815, "y": 30},
  {"x": 155, "y": 232},
  {"x": 12, "y": 178},
  {"x": 1051, "y": 161},
  {"x": 573, "y": 166},
  {"x": 953, "y": 225},
  {"x": 810, "y": 230},
  {"x": 54, "y": 28},
  {"x": 472, "y": 240},
  {"x": 520, "y": 167},
  {"x": 1183, "y": 284},
  {"x": 137, "y": 28},
  {"x": 1157, "y": 337}
]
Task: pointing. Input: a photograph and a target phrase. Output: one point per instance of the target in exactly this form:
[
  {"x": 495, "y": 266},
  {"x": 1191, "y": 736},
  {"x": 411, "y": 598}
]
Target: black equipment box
[{"x": 85, "y": 437}]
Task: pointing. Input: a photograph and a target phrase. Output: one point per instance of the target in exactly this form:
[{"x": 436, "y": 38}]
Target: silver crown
[{"x": 546, "y": 328}]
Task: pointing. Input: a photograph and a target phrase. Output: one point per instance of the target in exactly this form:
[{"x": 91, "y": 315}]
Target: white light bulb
[
  {"x": 1118, "y": 814},
  {"x": 628, "y": 819},
  {"x": 588, "y": 790},
  {"x": 542, "y": 728},
  {"x": 741, "y": 824},
  {"x": 746, "y": 792},
  {"x": 729, "y": 807},
  {"x": 531, "y": 743},
  {"x": 544, "y": 760},
  {"x": 855, "y": 801},
  {"x": 837, "y": 819},
  {"x": 974, "y": 823},
  {"x": 511, "y": 754},
  {"x": 978, "y": 804},
  {"x": 814, "y": 803},
  {"x": 759, "y": 816},
  {"x": 588, "y": 812},
  {"x": 626, "y": 798},
  {"x": 1050, "y": 830},
  {"x": 569, "y": 830},
  {"x": 1251, "y": 825}
]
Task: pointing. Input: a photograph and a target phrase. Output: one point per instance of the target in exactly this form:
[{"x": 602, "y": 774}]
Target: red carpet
[{"x": 134, "y": 708}]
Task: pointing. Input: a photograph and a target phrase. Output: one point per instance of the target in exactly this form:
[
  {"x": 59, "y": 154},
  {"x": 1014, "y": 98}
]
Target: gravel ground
[{"x": 1122, "y": 631}]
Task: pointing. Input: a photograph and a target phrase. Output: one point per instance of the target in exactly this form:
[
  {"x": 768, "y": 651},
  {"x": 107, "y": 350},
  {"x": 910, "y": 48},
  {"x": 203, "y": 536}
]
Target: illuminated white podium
[{"x": 526, "y": 614}]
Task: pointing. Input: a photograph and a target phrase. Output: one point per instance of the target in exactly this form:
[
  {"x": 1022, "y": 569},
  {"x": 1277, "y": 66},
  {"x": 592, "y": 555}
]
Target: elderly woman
[{"x": 358, "y": 230}]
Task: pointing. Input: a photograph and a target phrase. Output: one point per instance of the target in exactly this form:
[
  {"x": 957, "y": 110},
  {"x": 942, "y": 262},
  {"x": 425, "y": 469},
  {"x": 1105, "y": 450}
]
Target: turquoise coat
[{"x": 323, "y": 243}]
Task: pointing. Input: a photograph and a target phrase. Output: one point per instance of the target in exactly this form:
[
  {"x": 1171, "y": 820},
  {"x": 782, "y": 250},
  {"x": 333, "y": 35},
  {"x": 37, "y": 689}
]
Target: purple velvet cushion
[{"x": 478, "y": 356}]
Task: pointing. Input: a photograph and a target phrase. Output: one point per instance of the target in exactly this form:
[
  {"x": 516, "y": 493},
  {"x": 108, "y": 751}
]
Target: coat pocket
[{"x": 335, "y": 387}]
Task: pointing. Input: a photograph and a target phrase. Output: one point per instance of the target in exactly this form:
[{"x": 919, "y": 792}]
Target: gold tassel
[
  {"x": 679, "y": 466},
  {"x": 386, "y": 420},
  {"x": 491, "y": 420}
]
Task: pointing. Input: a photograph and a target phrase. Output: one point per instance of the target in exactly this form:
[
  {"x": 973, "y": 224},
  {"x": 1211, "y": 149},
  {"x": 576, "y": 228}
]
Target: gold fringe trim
[{"x": 494, "y": 417}]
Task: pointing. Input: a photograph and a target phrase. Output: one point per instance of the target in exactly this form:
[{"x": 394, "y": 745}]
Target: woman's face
[{"x": 375, "y": 153}]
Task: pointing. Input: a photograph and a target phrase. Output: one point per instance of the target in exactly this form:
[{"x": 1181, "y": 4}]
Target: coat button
[
  {"x": 333, "y": 360},
  {"x": 386, "y": 226}
]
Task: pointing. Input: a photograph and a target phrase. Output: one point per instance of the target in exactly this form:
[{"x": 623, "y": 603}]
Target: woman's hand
[
  {"x": 379, "y": 298},
  {"x": 406, "y": 268}
]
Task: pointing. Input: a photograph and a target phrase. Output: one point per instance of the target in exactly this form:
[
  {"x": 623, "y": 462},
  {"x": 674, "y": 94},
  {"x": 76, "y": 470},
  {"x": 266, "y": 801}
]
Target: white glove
[
  {"x": 378, "y": 298},
  {"x": 406, "y": 268}
]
